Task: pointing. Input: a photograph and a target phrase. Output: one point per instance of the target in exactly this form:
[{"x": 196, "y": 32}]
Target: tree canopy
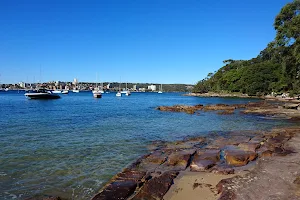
[{"x": 275, "y": 69}]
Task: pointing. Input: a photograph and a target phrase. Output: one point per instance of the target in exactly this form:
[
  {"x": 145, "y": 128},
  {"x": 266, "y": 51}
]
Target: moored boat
[
  {"x": 128, "y": 93},
  {"x": 65, "y": 92},
  {"x": 75, "y": 91},
  {"x": 160, "y": 90},
  {"x": 56, "y": 92},
  {"x": 97, "y": 94},
  {"x": 41, "y": 94},
  {"x": 119, "y": 94}
]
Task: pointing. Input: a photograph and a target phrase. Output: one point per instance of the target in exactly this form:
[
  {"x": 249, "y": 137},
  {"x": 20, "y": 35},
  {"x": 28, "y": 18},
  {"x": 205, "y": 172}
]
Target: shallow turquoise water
[{"x": 71, "y": 146}]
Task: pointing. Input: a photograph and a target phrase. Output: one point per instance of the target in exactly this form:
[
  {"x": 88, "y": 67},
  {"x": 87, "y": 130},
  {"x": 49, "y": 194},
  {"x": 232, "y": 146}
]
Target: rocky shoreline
[
  {"x": 227, "y": 154},
  {"x": 275, "y": 109},
  {"x": 214, "y": 94}
]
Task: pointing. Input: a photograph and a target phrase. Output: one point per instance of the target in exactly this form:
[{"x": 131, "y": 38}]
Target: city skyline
[{"x": 148, "y": 41}]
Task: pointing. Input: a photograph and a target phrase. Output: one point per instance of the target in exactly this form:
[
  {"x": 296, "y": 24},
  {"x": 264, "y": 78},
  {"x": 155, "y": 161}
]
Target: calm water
[{"x": 71, "y": 146}]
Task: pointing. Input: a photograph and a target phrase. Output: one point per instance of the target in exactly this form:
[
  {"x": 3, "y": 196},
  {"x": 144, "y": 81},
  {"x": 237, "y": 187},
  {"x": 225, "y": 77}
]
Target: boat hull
[
  {"x": 119, "y": 94},
  {"x": 97, "y": 95},
  {"x": 56, "y": 92},
  {"x": 42, "y": 96}
]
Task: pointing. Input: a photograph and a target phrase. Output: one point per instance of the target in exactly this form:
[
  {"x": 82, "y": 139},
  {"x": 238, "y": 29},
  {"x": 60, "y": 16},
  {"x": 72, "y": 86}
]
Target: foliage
[{"x": 275, "y": 69}]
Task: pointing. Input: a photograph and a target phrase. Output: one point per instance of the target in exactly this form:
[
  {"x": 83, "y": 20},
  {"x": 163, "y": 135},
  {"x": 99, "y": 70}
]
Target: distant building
[
  {"x": 134, "y": 87},
  {"x": 75, "y": 81},
  {"x": 22, "y": 84},
  {"x": 152, "y": 87},
  {"x": 142, "y": 89}
]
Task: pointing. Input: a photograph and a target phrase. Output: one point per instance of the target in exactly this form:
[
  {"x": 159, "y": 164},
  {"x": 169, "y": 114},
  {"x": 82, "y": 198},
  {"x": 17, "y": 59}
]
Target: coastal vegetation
[{"x": 276, "y": 68}]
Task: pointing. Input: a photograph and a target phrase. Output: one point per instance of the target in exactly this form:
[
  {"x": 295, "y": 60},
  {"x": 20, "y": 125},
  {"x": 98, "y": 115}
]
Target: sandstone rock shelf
[{"x": 151, "y": 176}]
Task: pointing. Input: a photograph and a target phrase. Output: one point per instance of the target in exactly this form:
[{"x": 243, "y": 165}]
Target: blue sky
[{"x": 160, "y": 41}]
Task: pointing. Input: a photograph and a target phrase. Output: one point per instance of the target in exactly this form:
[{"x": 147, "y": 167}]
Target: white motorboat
[
  {"x": 97, "y": 93},
  {"x": 65, "y": 92},
  {"x": 56, "y": 91},
  {"x": 119, "y": 94},
  {"x": 41, "y": 94},
  {"x": 75, "y": 91}
]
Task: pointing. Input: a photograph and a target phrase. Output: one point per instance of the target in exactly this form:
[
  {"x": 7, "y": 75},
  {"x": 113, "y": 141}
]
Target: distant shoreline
[{"x": 214, "y": 94}]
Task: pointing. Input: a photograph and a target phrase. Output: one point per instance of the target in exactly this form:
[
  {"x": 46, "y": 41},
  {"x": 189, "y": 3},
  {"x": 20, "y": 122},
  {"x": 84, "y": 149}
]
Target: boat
[
  {"x": 6, "y": 89},
  {"x": 56, "y": 91},
  {"x": 160, "y": 90},
  {"x": 128, "y": 93},
  {"x": 119, "y": 94},
  {"x": 75, "y": 91},
  {"x": 41, "y": 94},
  {"x": 102, "y": 91},
  {"x": 65, "y": 92},
  {"x": 97, "y": 93}
]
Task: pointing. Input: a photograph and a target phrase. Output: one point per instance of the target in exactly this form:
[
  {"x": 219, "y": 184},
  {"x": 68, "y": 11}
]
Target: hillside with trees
[{"x": 275, "y": 69}]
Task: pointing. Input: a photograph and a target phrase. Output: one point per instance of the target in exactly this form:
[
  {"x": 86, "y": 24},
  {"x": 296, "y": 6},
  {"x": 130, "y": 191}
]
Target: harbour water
[{"x": 71, "y": 146}]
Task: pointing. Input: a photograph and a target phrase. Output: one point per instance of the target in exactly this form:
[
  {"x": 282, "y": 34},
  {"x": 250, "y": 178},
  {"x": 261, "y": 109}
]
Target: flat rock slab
[
  {"x": 204, "y": 159},
  {"x": 118, "y": 190},
  {"x": 238, "y": 157},
  {"x": 291, "y": 105},
  {"x": 249, "y": 146},
  {"x": 272, "y": 178},
  {"x": 201, "y": 165},
  {"x": 177, "y": 161},
  {"x": 44, "y": 198},
  {"x": 156, "y": 187}
]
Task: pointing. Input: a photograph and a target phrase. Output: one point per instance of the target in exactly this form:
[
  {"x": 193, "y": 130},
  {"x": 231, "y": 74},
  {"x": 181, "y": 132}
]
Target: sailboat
[
  {"x": 126, "y": 91},
  {"x": 102, "y": 91},
  {"x": 119, "y": 94},
  {"x": 160, "y": 91},
  {"x": 96, "y": 92}
]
